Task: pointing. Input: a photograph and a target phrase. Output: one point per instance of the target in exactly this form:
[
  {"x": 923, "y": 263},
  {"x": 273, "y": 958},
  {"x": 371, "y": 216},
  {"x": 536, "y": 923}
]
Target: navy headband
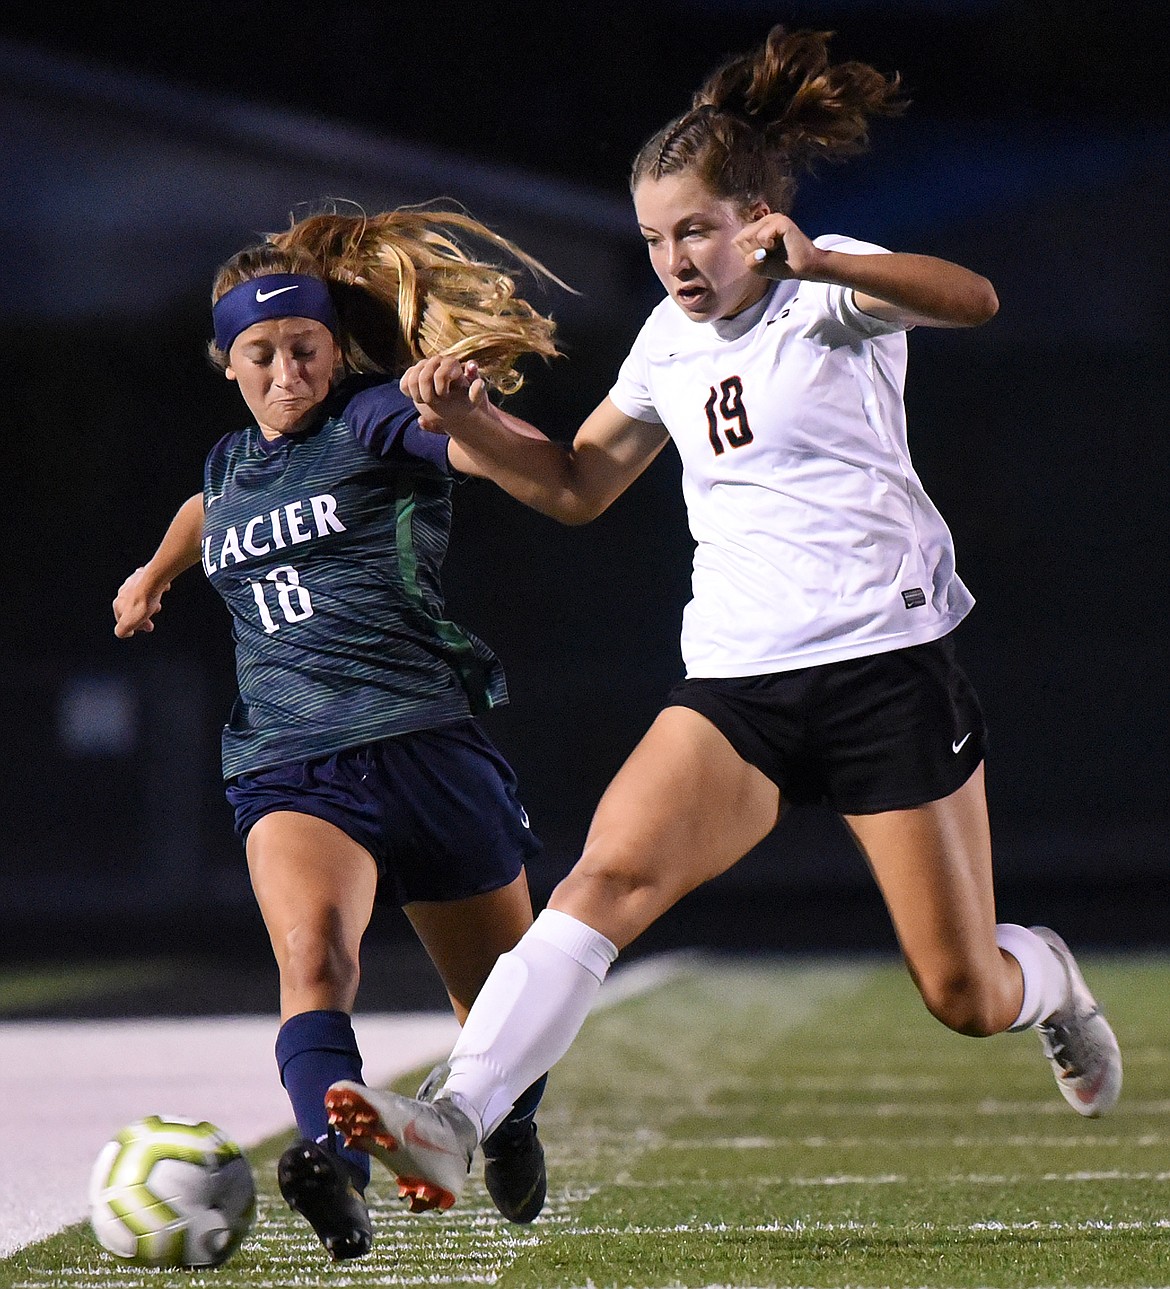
[{"x": 276, "y": 295}]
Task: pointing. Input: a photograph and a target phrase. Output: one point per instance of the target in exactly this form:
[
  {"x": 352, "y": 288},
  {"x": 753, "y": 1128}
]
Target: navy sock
[
  {"x": 519, "y": 1117},
  {"x": 314, "y": 1050}
]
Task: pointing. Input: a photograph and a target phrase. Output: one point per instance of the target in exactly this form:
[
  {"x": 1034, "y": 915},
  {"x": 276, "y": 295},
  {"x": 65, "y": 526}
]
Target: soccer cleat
[
  {"x": 427, "y": 1146},
  {"x": 317, "y": 1184},
  {"x": 1078, "y": 1041},
  {"x": 514, "y": 1172}
]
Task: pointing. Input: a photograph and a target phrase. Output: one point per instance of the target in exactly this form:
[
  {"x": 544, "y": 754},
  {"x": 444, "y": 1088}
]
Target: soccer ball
[{"x": 171, "y": 1192}]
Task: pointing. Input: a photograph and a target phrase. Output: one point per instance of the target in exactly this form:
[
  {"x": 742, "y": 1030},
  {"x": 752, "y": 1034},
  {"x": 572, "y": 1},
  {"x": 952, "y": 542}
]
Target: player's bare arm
[
  {"x": 571, "y": 484},
  {"x": 905, "y": 289},
  {"x": 139, "y": 597}
]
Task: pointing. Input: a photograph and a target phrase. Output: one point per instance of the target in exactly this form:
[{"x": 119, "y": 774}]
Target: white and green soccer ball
[{"x": 171, "y": 1192}]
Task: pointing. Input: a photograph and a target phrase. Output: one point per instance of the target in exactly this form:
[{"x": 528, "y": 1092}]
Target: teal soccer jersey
[{"x": 326, "y": 547}]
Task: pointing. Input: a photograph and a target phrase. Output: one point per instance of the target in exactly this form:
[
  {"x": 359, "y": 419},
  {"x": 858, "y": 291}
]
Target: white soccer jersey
[{"x": 815, "y": 540}]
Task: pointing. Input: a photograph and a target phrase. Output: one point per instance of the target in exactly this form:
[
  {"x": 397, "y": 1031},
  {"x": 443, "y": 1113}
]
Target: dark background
[{"x": 142, "y": 145}]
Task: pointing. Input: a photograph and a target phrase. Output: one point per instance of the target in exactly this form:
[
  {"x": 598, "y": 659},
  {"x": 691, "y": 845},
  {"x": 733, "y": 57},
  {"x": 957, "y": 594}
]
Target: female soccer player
[
  {"x": 353, "y": 758},
  {"x": 818, "y": 647}
]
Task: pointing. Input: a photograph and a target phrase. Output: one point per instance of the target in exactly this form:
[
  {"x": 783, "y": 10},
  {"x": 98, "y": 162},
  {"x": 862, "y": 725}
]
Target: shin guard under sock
[
  {"x": 313, "y": 1050},
  {"x": 526, "y": 1016}
]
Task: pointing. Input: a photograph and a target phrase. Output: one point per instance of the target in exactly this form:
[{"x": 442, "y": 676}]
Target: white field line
[
  {"x": 1028, "y": 1141},
  {"x": 947, "y": 1053},
  {"x": 1048, "y": 1106},
  {"x": 120, "y": 1278},
  {"x": 674, "y": 1284},
  {"x": 803, "y": 1228},
  {"x": 321, "y": 1274},
  {"x": 902, "y": 1179}
]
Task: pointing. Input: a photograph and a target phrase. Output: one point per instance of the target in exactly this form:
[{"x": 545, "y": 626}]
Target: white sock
[
  {"x": 1045, "y": 984},
  {"x": 526, "y": 1016}
]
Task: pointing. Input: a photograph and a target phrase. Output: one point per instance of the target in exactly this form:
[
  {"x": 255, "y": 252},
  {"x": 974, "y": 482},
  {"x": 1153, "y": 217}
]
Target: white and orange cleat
[
  {"x": 427, "y": 1145},
  {"x": 1079, "y": 1044}
]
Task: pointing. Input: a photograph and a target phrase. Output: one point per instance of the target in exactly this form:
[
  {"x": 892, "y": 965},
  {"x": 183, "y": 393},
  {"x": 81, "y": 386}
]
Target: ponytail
[
  {"x": 405, "y": 288},
  {"x": 763, "y": 117}
]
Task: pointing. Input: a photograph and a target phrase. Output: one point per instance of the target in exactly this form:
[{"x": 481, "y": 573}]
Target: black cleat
[
  {"x": 514, "y": 1172},
  {"x": 317, "y": 1184}
]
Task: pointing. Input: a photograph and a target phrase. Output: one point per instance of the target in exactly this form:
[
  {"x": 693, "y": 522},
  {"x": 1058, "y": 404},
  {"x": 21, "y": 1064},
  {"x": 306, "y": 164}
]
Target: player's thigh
[
  {"x": 682, "y": 809},
  {"x": 310, "y": 879},
  {"x": 465, "y": 937},
  {"x": 933, "y": 866}
]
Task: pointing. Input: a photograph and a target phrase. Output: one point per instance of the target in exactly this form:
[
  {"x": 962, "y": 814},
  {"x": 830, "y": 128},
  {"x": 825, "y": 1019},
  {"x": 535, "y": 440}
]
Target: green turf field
[{"x": 776, "y": 1125}]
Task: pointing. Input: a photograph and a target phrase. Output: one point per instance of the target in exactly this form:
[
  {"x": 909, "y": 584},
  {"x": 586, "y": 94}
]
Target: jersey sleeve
[
  {"x": 841, "y": 304},
  {"x": 385, "y": 421},
  {"x": 631, "y": 391}
]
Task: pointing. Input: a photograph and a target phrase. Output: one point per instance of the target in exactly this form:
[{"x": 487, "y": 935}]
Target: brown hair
[
  {"x": 762, "y": 117},
  {"x": 404, "y": 289}
]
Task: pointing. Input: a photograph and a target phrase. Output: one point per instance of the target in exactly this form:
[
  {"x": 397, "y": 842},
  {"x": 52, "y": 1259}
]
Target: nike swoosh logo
[
  {"x": 261, "y": 296},
  {"x": 958, "y": 747},
  {"x": 412, "y": 1136}
]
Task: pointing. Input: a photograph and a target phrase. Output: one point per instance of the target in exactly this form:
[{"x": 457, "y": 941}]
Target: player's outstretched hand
[
  {"x": 775, "y": 248},
  {"x": 138, "y": 600},
  {"x": 444, "y": 389}
]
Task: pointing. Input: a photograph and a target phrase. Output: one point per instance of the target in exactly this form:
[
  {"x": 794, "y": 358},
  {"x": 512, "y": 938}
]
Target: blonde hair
[
  {"x": 762, "y": 117},
  {"x": 405, "y": 288}
]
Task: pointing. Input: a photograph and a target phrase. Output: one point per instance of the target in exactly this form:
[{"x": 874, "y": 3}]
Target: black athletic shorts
[
  {"x": 885, "y": 732},
  {"x": 437, "y": 809}
]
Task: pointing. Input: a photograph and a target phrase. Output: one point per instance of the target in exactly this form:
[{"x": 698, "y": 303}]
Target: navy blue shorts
[
  {"x": 886, "y": 732},
  {"x": 437, "y": 809}
]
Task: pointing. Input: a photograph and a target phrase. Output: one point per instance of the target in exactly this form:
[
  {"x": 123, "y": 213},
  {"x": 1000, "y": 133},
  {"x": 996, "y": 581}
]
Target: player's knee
[
  {"x": 606, "y": 880},
  {"x": 961, "y": 1000},
  {"x": 313, "y": 957},
  {"x": 616, "y": 890}
]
